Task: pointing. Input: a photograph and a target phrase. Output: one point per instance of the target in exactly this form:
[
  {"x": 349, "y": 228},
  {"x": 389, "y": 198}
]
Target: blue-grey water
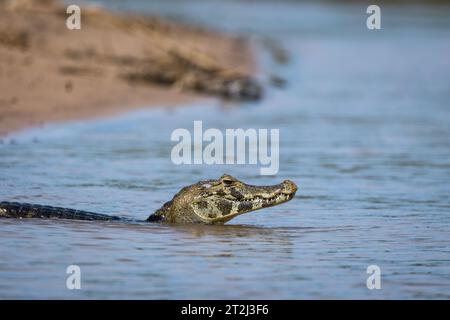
[{"x": 364, "y": 131}]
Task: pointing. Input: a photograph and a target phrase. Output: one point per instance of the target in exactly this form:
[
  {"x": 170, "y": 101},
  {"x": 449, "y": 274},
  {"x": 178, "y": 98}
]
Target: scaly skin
[
  {"x": 27, "y": 210},
  {"x": 205, "y": 202}
]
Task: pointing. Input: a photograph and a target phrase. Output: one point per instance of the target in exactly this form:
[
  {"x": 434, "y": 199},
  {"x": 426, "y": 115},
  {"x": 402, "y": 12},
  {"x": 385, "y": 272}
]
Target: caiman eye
[{"x": 227, "y": 182}]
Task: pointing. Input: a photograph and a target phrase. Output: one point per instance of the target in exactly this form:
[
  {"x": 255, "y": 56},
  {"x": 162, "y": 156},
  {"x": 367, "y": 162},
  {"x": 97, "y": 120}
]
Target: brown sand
[{"x": 49, "y": 73}]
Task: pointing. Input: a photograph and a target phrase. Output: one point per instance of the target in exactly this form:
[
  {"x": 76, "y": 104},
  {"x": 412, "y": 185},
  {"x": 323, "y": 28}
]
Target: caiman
[{"x": 205, "y": 202}]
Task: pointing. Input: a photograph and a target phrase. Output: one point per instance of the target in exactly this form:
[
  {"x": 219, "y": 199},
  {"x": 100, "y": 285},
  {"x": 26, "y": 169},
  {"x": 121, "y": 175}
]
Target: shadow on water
[{"x": 112, "y": 229}]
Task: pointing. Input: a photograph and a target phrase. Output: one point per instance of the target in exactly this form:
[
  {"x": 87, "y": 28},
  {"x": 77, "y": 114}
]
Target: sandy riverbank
[{"x": 113, "y": 64}]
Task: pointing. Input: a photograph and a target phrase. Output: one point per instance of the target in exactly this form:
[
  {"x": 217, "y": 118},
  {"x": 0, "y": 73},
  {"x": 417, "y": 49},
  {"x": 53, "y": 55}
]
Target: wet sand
[{"x": 113, "y": 64}]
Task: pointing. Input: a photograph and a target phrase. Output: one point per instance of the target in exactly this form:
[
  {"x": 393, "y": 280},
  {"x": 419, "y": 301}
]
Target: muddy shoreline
[{"x": 113, "y": 64}]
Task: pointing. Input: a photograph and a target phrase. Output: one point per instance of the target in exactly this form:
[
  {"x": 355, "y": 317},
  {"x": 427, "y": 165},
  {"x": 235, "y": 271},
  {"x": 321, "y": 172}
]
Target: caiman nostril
[{"x": 290, "y": 186}]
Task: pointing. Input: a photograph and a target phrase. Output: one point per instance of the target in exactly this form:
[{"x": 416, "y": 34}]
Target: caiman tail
[{"x": 26, "y": 210}]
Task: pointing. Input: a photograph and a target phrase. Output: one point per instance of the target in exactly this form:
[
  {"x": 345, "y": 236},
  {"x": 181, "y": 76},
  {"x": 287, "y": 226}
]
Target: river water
[{"x": 364, "y": 131}]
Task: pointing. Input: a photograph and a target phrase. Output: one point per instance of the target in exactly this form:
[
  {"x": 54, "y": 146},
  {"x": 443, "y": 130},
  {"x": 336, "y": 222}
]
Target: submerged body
[{"x": 205, "y": 202}]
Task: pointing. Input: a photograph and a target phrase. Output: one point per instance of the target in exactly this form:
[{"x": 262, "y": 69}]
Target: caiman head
[{"x": 218, "y": 201}]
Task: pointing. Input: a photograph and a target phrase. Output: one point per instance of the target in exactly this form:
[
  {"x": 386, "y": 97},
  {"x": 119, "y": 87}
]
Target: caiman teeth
[{"x": 263, "y": 199}]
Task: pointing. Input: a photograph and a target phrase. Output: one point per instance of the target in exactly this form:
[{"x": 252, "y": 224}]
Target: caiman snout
[{"x": 289, "y": 187}]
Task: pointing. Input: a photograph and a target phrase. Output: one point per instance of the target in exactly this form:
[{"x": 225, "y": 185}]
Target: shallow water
[{"x": 364, "y": 131}]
